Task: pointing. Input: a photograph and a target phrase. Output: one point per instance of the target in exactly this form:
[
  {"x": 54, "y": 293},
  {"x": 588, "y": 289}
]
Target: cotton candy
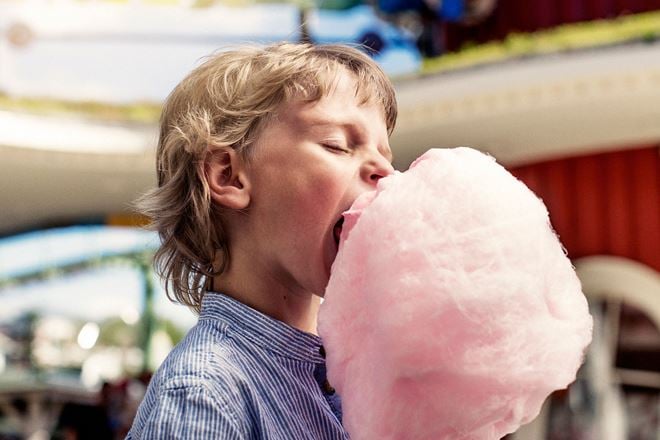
[{"x": 452, "y": 311}]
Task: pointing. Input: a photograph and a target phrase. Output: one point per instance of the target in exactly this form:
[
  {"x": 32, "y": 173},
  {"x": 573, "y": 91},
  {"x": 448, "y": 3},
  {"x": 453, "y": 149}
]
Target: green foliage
[
  {"x": 138, "y": 112},
  {"x": 115, "y": 332},
  {"x": 337, "y": 5},
  {"x": 173, "y": 331},
  {"x": 640, "y": 27}
]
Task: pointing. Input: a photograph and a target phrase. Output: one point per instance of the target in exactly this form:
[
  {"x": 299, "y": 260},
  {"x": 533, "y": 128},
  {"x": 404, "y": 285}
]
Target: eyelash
[{"x": 336, "y": 148}]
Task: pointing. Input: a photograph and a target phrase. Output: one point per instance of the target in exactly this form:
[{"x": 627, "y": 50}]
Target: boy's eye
[{"x": 335, "y": 147}]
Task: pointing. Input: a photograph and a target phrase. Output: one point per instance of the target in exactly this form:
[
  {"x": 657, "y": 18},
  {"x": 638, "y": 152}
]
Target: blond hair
[{"x": 223, "y": 104}]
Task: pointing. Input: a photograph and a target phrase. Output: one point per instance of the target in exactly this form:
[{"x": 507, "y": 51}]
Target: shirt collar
[{"x": 261, "y": 329}]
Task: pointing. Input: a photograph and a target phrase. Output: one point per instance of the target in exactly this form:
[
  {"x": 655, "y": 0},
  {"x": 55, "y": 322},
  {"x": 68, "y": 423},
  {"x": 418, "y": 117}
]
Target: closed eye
[{"x": 337, "y": 148}]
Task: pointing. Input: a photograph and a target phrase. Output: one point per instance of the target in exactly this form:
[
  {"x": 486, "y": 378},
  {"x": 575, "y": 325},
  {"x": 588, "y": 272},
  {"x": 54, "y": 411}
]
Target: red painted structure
[
  {"x": 527, "y": 16},
  {"x": 603, "y": 204}
]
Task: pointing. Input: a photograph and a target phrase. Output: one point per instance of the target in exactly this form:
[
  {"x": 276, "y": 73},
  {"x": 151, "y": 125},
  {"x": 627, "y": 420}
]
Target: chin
[
  {"x": 320, "y": 281},
  {"x": 328, "y": 261},
  {"x": 320, "y": 285}
]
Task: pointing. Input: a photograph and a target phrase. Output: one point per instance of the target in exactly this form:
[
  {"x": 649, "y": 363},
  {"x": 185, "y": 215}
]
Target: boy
[{"x": 261, "y": 150}]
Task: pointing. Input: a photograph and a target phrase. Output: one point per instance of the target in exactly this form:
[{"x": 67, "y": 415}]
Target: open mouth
[{"x": 337, "y": 229}]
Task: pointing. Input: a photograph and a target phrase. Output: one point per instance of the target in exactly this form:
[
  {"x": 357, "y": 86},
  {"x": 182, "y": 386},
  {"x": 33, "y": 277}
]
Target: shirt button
[{"x": 322, "y": 352}]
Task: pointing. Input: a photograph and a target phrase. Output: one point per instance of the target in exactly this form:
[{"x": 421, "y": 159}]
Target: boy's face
[{"x": 309, "y": 165}]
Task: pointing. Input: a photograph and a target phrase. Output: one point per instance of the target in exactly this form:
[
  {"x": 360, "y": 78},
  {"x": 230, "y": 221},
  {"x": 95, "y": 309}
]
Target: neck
[{"x": 260, "y": 290}]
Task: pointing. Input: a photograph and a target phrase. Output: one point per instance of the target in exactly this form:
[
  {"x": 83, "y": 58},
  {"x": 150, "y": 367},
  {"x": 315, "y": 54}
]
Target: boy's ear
[{"x": 227, "y": 179}]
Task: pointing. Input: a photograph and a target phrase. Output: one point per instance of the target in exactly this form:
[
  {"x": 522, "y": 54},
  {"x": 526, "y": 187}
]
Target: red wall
[
  {"x": 526, "y": 16},
  {"x": 603, "y": 204}
]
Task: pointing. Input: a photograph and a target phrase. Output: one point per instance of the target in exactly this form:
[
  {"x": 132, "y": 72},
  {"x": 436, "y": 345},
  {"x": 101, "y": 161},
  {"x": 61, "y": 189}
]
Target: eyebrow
[{"x": 355, "y": 130}]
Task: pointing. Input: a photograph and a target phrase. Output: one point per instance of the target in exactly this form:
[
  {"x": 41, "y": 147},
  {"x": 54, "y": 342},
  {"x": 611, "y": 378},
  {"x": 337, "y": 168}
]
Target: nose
[{"x": 375, "y": 168}]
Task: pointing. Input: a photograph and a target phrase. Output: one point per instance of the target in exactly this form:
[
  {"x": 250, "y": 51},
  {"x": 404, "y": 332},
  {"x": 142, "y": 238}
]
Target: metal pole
[{"x": 148, "y": 319}]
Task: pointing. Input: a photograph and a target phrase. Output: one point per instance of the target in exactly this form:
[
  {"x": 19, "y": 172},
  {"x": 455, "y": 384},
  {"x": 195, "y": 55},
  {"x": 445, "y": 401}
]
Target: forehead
[
  {"x": 332, "y": 80},
  {"x": 363, "y": 122},
  {"x": 342, "y": 101}
]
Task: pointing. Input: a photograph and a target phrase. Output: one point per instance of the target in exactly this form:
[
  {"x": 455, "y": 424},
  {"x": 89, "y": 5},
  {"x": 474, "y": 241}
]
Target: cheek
[
  {"x": 300, "y": 203},
  {"x": 317, "y": 205},
  {"x": 328, "y": 197},
  {"x": 323, "y": 186},
  {"x": 323, "y": 191}
]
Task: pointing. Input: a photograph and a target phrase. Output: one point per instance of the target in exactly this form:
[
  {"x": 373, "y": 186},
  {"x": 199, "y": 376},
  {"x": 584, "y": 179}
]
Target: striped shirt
[{"x": 239, "y": 374}]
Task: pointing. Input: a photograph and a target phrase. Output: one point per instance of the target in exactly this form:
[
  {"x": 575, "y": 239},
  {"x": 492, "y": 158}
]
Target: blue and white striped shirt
[{"x": 239, "y": 374}]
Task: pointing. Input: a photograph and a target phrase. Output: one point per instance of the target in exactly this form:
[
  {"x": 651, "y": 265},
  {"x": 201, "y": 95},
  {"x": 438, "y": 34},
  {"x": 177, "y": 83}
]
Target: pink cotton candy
[{"x": 452, "y": 311}]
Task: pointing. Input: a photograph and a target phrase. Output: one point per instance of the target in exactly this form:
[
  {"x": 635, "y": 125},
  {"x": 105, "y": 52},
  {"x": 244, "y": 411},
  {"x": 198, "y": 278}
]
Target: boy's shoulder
[
  {"x": 205, "y": 357},
  {"x": 199, "y": 388}
]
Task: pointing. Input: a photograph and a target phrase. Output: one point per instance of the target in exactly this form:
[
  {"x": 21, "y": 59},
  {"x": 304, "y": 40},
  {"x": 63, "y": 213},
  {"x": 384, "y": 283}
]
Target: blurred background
[{"x": 564, "y": 93}]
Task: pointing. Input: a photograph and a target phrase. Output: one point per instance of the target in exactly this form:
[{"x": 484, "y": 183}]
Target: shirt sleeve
[{"x": 191, "y": 413}]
